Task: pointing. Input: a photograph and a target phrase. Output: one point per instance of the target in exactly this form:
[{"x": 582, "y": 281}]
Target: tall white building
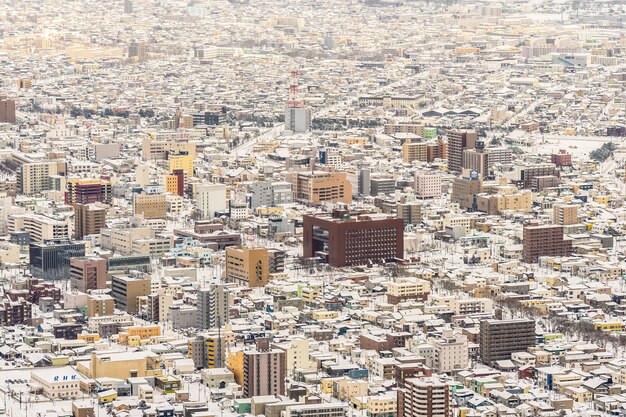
[
  {"x": 298, "y": 119},
  {"x": 210, "y": 198},
  {"x": 451, "y": 352}
]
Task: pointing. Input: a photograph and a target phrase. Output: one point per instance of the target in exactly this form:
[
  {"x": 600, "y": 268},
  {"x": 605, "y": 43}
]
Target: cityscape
[{"x": 350, "y": 208}]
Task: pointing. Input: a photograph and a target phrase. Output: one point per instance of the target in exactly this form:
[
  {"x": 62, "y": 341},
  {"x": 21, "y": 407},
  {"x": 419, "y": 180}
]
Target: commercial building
[
  {"x": 465, "y": 190},
  {"x": 298, "y": 119},
  {"x": 151, "y": 206},
  {"x": 126, "y": 289},
  {"x": 7, "y": 110},
  {"x": 382, "y": 185},
  {"x": 407, "y": 289},
  {"x": 500, "y": 338},
  {"x": 343, "y": 240},
  {"x": 99, "y": 305},
  {"x": 458, "y": 141},
  {"x": 88, "y": 273},
  {"x": 89, "y": 219},
  {"x": 264, "y": 371},
  {"x": 58, "y": 382},
  {"x": 210, "y": 199},
  {"x": 410, "y": 212},
  {"x": 544, "y": 240},
  {"x": 213, "y": 306},
  {"x": 508, "y": 199},
  {"x": 317, "y": 410},
  {"x": 246, "y": 266},
  {"x": 269, "y": 194},
  {"x": 51, "y": 260},
  {"x": 317, "y": 187},
  {"x": 87, "y": 191},
  {"x": 39, "y": 227},
  {"x": 425, "y": 397},
  {"x": 121, "y": 365},
  {"x": 428, "y": 185},
  {"x": 36, "y": 177}
]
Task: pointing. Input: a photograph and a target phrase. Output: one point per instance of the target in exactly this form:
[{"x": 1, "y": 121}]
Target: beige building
[
  {"x": 153, "y": 247},
  {"x": 121, "y": 240},
  {"x": 151, "y": 206},
  {"x": 35, "y": 177},
  {"x": 39, "y": 226},
  {"x": 246, "y": 266},
  {"x": 297, "y": 353},
  {"x": 451, "y": 353},
  {"x": 508, "y": 199},
  {"x": 121, "y": 365},
  {"x": 317, "y": 187},
  {"x": 58, "y": 382},
  {"x": 565, "y": 214},
  {"x": 100, "y": 305},
  {"x": 126, "y": 289},
  {"x": 89, "y": 219},
  {"x": 407, "y": 289}
]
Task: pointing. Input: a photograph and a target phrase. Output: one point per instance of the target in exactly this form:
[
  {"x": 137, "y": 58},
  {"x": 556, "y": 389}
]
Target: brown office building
[
  {"x": 264, "y": 371},
  {"x": 545, "y": 240},
  {"x": 425, "y": 397},
  {"x": 458, "y": 141},
  {"x": 344, "y": 240},
  {"x": 500, "y": 338},
  {"x": 125, "y": 290},
  {"x": 88, "y": 273},
  {"x": 89, "y": 219},
  {"x": 7, "y": 110},
  {"x": 152, "y": 206},
  {"x": 318, "y": 187},
  {"x": 246, "y": 266}
]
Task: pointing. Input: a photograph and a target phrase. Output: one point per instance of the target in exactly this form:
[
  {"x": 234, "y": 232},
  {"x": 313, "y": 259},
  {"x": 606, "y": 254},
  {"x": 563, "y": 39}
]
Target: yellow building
[
  {"x": 89, "y": 337},
  {"x": 310, "y": 294},
  {"x": 324, "y": 315},
  {"x": 359, "y": 141},
  {"x": 247, "y": 266},
  {"x": 132, "y": 336},
  {"x": 171, "y": 184},
  {"x": 414, "y": 151},
  {"x": 235, "y": 364},
  {"x": 182, "y": 161},
  {"x": 407, "y": 289},
  {"x": 344, "y": 389},
  {"x": 608, "y": 326}
]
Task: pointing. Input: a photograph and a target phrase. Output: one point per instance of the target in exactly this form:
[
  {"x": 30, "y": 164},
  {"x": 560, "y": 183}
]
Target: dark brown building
[
  {"x": 458, "y": 141},
  {"x": 7, "y": 110},
  {"x": 15, "y": 312},
  {"x": 500, "y": 338},
  {"x": 545, "y": 240},
  {"x": 67, "y": 331},
  {"x": 387, "y": 342},
  {"x": 343, "y": 240},
  {"x": 425, "y": 397}
]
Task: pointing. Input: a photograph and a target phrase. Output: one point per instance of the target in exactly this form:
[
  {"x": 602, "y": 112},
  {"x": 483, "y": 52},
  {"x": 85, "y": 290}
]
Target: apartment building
[
  {"x": 89, "y": 219},
  {"x": 451, "y": 353},
  {"x": 544, "y": 240},
  {"x": 500, "y": 338},
  {"x": 425, "y": 397}
]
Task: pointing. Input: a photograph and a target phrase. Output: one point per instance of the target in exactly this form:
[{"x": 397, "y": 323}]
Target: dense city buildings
[{"x": 312, "y": 209}]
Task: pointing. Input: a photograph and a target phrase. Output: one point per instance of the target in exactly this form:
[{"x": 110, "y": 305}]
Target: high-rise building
[
  {"x": 544, "y": 240},
  {"x": 126, "y": 289},
  {"x": 137, "y": 50},
  {"x": 39, "y": 227},
  {"x": 87, "y": 191},
  {"x": 562, "y": 158},
  {"x": 247, "y": 266},
  {"x": 128, "y": 6},
  {"x": 425, "y": 397},
  {"x": 36, "y": 177},
  {"x": 210, "y": 199},
  {"x": 465, "y": 190},
  {"x": 7, "y": 110},
  {"x": 458, "y": 141},
  {"x": 50, "y": 260},
  {"x": 89, "y": 219},
  {"x": 298, "y": 119},
  {"x": 410, "y": 212},
  {"x": 318, "y": 187},
  {"x": 269, "y": 194},
  {"x": 264, "y": 370},
  {"x": 175, "y": 182},
  {"x": 382, "y": 185},
  {"x": 565, "y": 214},
  {"x": 88, "y": 273},
  {"x": 343, "y": 240},
  {"x": 500, "y": 338},
  {"x": 208, "y": 349},
  {"x": 213, "y": 306}
]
